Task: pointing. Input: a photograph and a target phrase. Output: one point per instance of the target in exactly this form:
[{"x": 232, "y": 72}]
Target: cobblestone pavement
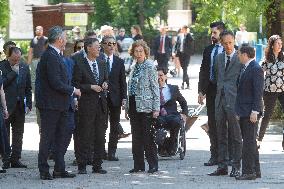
[{"x": 173, "y": 172}]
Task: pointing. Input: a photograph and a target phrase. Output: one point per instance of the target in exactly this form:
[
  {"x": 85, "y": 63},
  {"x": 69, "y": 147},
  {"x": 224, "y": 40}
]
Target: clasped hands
[{"x": 98, "y": 88}]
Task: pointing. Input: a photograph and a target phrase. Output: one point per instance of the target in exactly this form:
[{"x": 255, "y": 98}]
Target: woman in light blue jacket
[{"x": 143, "y": 105}]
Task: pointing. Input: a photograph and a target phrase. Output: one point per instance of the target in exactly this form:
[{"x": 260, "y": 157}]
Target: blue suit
[
  {"x": 249, "y": 98},
  {"x": 53, "y": 91}
]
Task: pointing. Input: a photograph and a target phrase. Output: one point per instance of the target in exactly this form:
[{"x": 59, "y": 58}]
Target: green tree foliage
[
  {"x": 4, "y": 13},
  {"x": 103, "y": 13},
  {"x": 232, "y": 12}
]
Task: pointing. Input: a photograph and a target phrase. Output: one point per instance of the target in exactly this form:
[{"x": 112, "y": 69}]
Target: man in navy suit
[
  {"x": 117, "y": 92},
  {"x": 169, "y": 117},
  {"x": 249, "y": 108},
  {"x": 53, "y": 94},
  {"x": 207, "y": 88},
  {"x": 17, "y": 86},
  {"x": 162, "y": 48}
]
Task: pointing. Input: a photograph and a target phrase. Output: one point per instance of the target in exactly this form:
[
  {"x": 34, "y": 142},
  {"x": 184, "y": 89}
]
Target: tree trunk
[
  {"x": 141, "y": 13},
  {"x": 273, "y": 18}
]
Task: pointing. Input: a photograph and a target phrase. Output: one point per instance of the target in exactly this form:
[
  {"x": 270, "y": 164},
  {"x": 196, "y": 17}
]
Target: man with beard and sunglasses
[
  {"x": 207, "y": 86},
  {"x": 117, "y": 93}
]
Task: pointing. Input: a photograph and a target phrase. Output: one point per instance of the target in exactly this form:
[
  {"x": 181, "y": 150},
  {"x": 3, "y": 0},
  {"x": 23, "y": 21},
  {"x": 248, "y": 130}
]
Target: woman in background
[
  {"x": 136, "y": 33},
  {"x": 273, "y": 65}
]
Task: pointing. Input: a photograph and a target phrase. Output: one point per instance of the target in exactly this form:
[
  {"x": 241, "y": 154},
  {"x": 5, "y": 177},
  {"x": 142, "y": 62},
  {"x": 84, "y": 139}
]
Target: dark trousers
[
  {"x": 184, "y": 62},
  {"x": 114, "y": 118},
  {"x": 53, "y": 131},
  {"x": 5, "y": 148},
  {"x": 91, "y": 131},
  {"x": 250, "y": 154},
  {"x": 16, "y": 120},
  {"x": 173, "y": 124},
  {"x": 70, "y": 127},
  {"x": 269, "y": 104},
  {"x": 142, "y": 138},
  {"x": 210, "y": 104},
  {"x": 226, "y": 122},
  {"x": 162, "y": 60}
]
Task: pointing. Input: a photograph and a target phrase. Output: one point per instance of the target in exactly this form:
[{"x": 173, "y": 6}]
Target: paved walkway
[{"x": 173, "y": 173}]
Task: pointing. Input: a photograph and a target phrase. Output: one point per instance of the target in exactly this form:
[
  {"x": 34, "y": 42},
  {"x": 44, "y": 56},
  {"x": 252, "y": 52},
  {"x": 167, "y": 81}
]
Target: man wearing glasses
[{"x": 117, "y": 93}]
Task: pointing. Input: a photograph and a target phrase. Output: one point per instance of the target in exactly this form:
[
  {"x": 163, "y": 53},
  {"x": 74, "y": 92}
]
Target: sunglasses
[{"x": 110, "y": 43}]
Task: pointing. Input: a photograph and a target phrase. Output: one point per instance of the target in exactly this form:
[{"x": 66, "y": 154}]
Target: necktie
[
  {"x": 108, "y": 65},
  {"x": 95, "y": 72},
  {"x": 161, "y": 44},
  {"x": 163, "y": 111},
  {"x": 242, "y": 71},
  {"x": 227, "y": 63},
  {"x": 212, "y": 76}
]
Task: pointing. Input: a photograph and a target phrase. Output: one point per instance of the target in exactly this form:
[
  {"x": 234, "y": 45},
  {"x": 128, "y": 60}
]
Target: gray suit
[{"x": 225, "y": 115}]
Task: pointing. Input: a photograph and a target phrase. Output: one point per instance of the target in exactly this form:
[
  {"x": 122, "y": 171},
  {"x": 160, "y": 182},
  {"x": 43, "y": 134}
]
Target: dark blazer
[
  {"x": 176, "y": 96},
  {"x": 116, "y": 81},
  {"x": 250, "y": 90},
  {"x": 204, "y": 73},
  {"x": 188, "y": 48},
  {"x": 168, "y": 46},
  {"x": 83, "y": 78},
  {"x": 69, "y": 63},
  {"x": 137, "y": 37},
  {"x": 16, "y": 87},
  {"x": 54, "y": 88}
]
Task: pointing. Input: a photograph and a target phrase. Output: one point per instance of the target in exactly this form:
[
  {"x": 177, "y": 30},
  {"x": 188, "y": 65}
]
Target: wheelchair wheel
[{"x": 182, "y": 145}]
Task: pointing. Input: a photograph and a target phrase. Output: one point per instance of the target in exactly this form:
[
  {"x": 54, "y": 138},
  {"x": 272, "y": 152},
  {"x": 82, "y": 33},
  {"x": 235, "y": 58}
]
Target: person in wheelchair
[{"x": 169, "y": 117}]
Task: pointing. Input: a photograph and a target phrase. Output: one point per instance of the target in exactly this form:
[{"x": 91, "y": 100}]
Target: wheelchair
[{"x": 162, "y": 140}]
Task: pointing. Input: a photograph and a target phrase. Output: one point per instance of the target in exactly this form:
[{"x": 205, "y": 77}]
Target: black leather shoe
[
  {"x": 64, "y": 174},
  {"x": 211, "y": 162},
  {"x": 45, "y": 176},
  {"x": 235, "y": 172},
  {"x": 246, "y": 177},
  {"x": 219, "y": 172},
  {"x": 153, "y": 170},
  {"x": 100, "y": 171},
  {"x": 18, "y": 164},
  {"x": 2, "y": 170},
  {"x": 258, "y": 174},
  {"x": 136, "y": 170},
  {"x": 6, "y": 165}
]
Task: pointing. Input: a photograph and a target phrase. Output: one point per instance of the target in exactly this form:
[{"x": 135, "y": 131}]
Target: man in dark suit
[
  {"x": 184, "y": 49},
  {"x": 117, "y": 91},
  {"x": 207, "y": 86},
  {"x": 162, "y": 48},
  {"x": 52, "y": 100},
  {"x": 91, "y": 77},
  {"x": 227, "y": 68},
  {"x": 249, "y": 109},
  {"x": 17, "y": 86},
  {"x": 169, "y": 117}
]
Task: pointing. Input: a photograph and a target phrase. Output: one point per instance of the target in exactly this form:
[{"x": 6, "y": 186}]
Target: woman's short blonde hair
[{"x": 137, "y": 44}]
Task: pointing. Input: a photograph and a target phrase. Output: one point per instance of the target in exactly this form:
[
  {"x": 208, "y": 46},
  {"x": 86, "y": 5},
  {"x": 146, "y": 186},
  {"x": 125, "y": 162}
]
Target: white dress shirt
[{"x": 166, "y": 92}]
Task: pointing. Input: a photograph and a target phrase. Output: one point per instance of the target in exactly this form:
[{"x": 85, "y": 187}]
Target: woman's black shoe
[{"x": 136, "y": 170}]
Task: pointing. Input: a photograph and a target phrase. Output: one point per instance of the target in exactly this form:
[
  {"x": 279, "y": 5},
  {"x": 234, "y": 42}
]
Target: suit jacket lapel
[
  {"x": 87, "y": 66},
  {"x": 21, "y": 73},
  {"x": 101, "y": 70},
  {"x": 246, "y": 72}
]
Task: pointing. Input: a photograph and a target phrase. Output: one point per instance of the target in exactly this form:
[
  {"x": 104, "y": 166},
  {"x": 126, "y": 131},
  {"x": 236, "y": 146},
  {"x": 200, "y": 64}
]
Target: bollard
[{"x": 259, "y": 52}]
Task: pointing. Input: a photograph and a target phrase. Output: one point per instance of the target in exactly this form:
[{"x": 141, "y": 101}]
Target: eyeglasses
[
  {"x": 122, "y": 31},
  {"x": 110, "y": 43}
]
